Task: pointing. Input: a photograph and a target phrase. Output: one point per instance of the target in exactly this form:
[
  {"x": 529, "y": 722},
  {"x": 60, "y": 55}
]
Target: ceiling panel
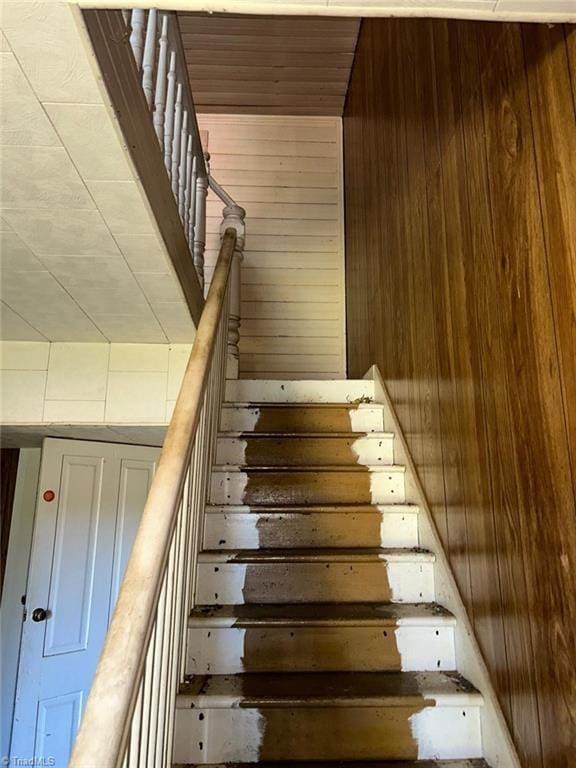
[
  {"x": 268, "y": 64},
  {"x": 80, "y": 254}
]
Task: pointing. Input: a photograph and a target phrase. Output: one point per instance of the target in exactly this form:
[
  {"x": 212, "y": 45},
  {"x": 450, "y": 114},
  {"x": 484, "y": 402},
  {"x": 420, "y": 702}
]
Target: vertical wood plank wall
[
  {"x": 286, "y": 172},
  {"x": 460, "y": 179}
]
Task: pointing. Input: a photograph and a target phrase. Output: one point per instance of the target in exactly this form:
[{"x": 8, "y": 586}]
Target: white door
[{"x": 90, "y": 499}]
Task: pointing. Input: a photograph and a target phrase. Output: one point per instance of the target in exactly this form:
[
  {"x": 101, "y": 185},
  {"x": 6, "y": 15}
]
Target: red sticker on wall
[{"x": 48, "y": 495}]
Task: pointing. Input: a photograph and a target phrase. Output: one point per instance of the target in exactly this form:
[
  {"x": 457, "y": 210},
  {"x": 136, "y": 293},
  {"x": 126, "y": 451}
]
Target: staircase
[{"x": 316, "y": 636}]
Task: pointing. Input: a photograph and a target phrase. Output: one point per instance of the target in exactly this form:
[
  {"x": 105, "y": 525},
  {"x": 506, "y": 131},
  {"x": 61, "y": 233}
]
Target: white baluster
[
  {"x": 176, "y": 139},
  {"x": 148, "y": 58},
  {"x": 137, "y": 34},
  {"x": 182, "y": 168},
  {"x": 187, "y": 190},
  {"x": 234, "y": 218},
  {"x": 192, "y": 215},
  {"x": 161, "y": 75},
  {"x": 200, "y": 226},
  {"x": 169, "y": 114}
]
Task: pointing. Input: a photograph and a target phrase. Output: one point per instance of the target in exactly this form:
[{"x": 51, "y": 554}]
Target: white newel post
[
  {"x": 234, "y": 219},
  {"x": 200, "y": 227}
]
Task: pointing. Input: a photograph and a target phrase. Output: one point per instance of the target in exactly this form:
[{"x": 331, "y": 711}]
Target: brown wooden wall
[{"x": 460, "y": 180}]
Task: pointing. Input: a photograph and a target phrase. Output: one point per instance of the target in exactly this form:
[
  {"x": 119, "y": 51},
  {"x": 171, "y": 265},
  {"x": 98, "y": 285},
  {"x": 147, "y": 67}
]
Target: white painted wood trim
[
  {"x": 315, "y": 8},
  {"x": 499, "y": 749}
]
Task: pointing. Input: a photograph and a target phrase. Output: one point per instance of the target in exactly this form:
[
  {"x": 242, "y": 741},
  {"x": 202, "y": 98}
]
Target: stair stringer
[{"x": 498, "y": 747}]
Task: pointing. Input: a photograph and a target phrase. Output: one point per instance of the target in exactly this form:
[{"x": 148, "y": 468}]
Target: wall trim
[
  {"x": 567, "y": 14},
  {"x": 499, "y": 749}
]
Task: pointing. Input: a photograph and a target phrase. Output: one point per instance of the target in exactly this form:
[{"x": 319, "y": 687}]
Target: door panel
[
  {"x": 135, "y": 479},
  {"x": 58, "y": 721},
  {"x": 77, "y": 534}
]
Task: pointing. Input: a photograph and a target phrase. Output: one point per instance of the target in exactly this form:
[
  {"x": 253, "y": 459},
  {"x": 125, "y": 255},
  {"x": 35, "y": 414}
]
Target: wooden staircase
[{"x": 316, "y": 635}]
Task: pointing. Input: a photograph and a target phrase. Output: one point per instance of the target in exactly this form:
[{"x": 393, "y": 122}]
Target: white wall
[
  {"x": 16, "y": 576},
  {"x": 78, "y": 383},
  {"x": 287, "y": 173}
]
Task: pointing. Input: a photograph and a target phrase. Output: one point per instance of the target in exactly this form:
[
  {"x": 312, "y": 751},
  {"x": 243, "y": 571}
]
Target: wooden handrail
[{"x": 105, "y": 727}]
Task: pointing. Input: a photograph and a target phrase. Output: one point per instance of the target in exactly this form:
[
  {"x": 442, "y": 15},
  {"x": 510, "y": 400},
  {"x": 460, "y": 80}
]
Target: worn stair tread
[
  {"x": 321, "y": 614},
  {"x": 304, "y": 435},
  {"x": 466, "y": 763},
  {"x": 295, "y": 405},
  {"x": 294, "y": 468},
  {"x": 328, "y": 689},
  {"x": 331, "y": 555},
  {"x": 310, "y": 509}
]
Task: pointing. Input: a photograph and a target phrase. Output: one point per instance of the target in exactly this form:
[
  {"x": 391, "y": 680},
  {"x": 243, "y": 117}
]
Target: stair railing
[
  {"x": 128, "y": 721},
  {"x": 129, "y": 716},
  {"x": 157, "y": 46}
]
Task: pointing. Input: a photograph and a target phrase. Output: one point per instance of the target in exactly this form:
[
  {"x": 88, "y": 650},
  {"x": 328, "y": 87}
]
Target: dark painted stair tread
[
  {"x": 320, "y": 614},
  {"x": 350, "y": 435},
  {"x": 266, "y": 404},
  {"x": 309, "y": 509},
  {"x": 300, "y": 469},
  {"x": 474, "y": 763},
  {"x": 363, "y": 554},
  {"x": 338, "y": 689}
]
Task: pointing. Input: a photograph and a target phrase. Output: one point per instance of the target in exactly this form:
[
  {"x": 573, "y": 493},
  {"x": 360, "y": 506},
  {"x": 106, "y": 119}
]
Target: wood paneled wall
[
  {"x": 460, "y": 180},
  {"x": 286, "y": 173}
]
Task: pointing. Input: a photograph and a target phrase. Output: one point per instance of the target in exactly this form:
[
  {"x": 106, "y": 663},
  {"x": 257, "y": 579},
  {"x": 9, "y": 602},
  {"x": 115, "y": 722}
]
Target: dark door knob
[{"x": 39, "y": 614}]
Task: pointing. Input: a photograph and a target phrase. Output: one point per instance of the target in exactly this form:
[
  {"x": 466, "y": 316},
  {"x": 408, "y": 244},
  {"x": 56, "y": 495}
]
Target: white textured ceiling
[{"x": 81, "y": 258}]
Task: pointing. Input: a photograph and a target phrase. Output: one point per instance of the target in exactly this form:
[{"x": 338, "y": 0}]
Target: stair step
[
  {"x": 474, "y": 763},
  {"x": 336, "y": 716},
  {"x": 330, "y": 484},
  {"x": 303, "y": 391},
  {"x": 302, "y": 418},
  {"x": 305, "y": 449},
  {"x": 320, "y": 638},
  {"x": 310, "y": 469},
  {"x": 243, "y": 527},
  {"x": 315, "y": 576},
  {"x": 340, "y": 689},
  {"x": 322, "y": 615}
]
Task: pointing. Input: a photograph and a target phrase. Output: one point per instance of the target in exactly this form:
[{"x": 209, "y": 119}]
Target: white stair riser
[
  {"x": 233, "y": 650},
  {"x": 379, "y": 487},
  {"x": 249, "y": 419},
  {"x": 305, "y": 391},
  {"x": 254, "y": 530},
  {"x": 365, "y": 450},
  {"x": 328, "y": 733},
  {"x": 408, "y": 581}
]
